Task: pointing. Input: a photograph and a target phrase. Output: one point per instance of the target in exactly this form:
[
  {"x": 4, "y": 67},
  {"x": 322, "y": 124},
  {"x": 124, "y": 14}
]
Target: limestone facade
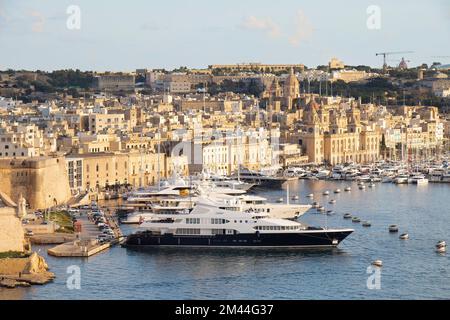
[{"x": 42, "y": 181}]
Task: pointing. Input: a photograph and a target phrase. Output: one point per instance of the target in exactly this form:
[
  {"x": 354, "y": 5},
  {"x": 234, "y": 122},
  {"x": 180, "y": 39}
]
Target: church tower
[{"x": 291, "y": 89}]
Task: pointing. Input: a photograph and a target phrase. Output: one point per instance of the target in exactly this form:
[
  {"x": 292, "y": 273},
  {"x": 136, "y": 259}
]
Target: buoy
[
  {"x": 377, "y": 263},
  {"x": 347, "y": 216},
  {"x": 393, "y": 228},
  {"x": 404, "y": 236},
  {"x": 348, "y": 189},
  {"x": 366, "y": 224},
  {"x": 337, "y": 191},
  {"x": 326, "y": 193}
]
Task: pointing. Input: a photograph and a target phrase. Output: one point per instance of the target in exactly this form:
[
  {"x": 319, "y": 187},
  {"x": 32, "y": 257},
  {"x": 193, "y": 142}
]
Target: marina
[{"x": 157, "y": 273}]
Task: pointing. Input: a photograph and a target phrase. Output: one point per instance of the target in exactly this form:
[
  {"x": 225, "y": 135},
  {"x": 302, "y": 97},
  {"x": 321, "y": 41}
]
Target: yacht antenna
[{"x": 159, "y": 156}]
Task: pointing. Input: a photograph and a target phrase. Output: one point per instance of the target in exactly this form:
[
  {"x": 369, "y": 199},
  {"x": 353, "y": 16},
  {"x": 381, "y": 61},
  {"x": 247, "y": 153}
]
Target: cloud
[
  {"x": 263, "y": 24},
  {"x": 38, "y": 25},
  {"x": 303, "y": 29}
]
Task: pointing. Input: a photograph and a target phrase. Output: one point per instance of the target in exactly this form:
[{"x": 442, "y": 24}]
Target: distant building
[
  {"x": 351, "y": 75},
  {"x": 115, "y": 82},
  {"x": 336, "y": 64},
  {"x": 334, "y": 136},
  {"x": 257, "y": 67}
]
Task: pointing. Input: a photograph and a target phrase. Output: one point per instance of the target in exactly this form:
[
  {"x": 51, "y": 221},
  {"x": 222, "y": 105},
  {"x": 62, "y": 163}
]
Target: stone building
[
  {"x": 115, "y": 82},
  {"x": 92, "y": 172},
  {"x": 334, "y": 135}
]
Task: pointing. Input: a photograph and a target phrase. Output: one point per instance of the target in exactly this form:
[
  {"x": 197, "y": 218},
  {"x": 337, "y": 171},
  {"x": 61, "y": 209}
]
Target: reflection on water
[{"x": 412, "y": 269}]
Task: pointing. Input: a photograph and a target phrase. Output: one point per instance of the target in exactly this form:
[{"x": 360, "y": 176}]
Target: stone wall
[
  {"x": 11, "y": 231},
  {"x": 43, "y": 181}
]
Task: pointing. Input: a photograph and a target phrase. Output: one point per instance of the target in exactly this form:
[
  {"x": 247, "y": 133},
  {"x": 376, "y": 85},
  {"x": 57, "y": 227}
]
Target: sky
[{"x": 122, "y": 35}]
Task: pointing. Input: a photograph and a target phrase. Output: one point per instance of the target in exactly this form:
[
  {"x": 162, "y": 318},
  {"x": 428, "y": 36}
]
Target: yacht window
[{"x": 185, "y": 231}]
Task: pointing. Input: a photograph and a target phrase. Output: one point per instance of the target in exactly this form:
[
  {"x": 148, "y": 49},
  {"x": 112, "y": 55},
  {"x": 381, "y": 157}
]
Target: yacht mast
[{"x": 159, "y": 156}]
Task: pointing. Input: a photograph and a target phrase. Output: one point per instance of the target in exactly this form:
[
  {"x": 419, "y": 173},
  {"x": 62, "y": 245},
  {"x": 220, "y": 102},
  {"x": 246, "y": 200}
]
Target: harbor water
[{"x": 411, "y": 268}]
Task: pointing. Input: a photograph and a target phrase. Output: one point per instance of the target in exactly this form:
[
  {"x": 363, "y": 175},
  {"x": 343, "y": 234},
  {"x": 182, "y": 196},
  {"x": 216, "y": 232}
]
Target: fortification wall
[
  {"x": 11, "y": 231},
  {"x": 43, "y": 182}
]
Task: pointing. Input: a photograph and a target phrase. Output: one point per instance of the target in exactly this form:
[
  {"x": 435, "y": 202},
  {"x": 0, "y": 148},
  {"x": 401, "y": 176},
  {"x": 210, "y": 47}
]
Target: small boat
[
  {"x": 418, "y": 179},
  {"x": 371, "y": 185},
  {"x": 401, "y": 179},
  {"x": 348, "y": 189},
  {"x": 321, "y": 209},
  {"x": 393, "y": 228},
  {"x": 326, "y": 193},
  {"x": 404, "y": 236},
  {"x": 360, "y": 183},
  {"x": 377, "y": 263},
  {"x": 356, "y": 220},
  {"x": 332, "y": 201},
  {"x": 315, "y": 205},
  {"x": 310, "y": 195},
  {"x": 441, "y": 249},
  {"x": 337, "y": 191},
  {"x": 362, "y": 187},
  {"x": 441, "y": 243},
  {"x": 330, "y": 213},
  {"x": 366, "y": 224},
  {"x": 347, "y": 216},
  {"x": 280, "y": 200},
  {"x": 295, "y": 198}
]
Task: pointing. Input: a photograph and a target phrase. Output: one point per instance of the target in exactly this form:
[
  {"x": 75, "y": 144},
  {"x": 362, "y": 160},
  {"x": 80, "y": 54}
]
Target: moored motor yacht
[
  {"x": 401, "y": 179},
  {"x": 261, "y": 180},
  {"x": 216, "y": 224},
  {"x": 259, "y": 204},
  {"x": 418, "y": 179}
]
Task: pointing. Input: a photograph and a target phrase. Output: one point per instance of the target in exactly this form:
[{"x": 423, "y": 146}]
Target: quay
[{"x": 86, "y": 243}]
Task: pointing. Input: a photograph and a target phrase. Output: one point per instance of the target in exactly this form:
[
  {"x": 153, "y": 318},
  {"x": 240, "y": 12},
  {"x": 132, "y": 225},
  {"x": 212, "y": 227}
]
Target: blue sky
[{"x": 125, "y": 35}]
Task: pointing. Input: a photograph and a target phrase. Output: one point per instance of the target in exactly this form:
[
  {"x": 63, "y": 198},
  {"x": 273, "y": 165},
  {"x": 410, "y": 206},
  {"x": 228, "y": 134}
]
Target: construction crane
[{"x": 386, "y": 54}]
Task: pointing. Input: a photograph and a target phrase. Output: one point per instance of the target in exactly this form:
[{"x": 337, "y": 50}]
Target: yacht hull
[{"x": 306, "y": 239}]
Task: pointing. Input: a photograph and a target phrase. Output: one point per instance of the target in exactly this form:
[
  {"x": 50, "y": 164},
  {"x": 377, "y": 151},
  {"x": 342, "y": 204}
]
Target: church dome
[{"x": 291, "y": 80}]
